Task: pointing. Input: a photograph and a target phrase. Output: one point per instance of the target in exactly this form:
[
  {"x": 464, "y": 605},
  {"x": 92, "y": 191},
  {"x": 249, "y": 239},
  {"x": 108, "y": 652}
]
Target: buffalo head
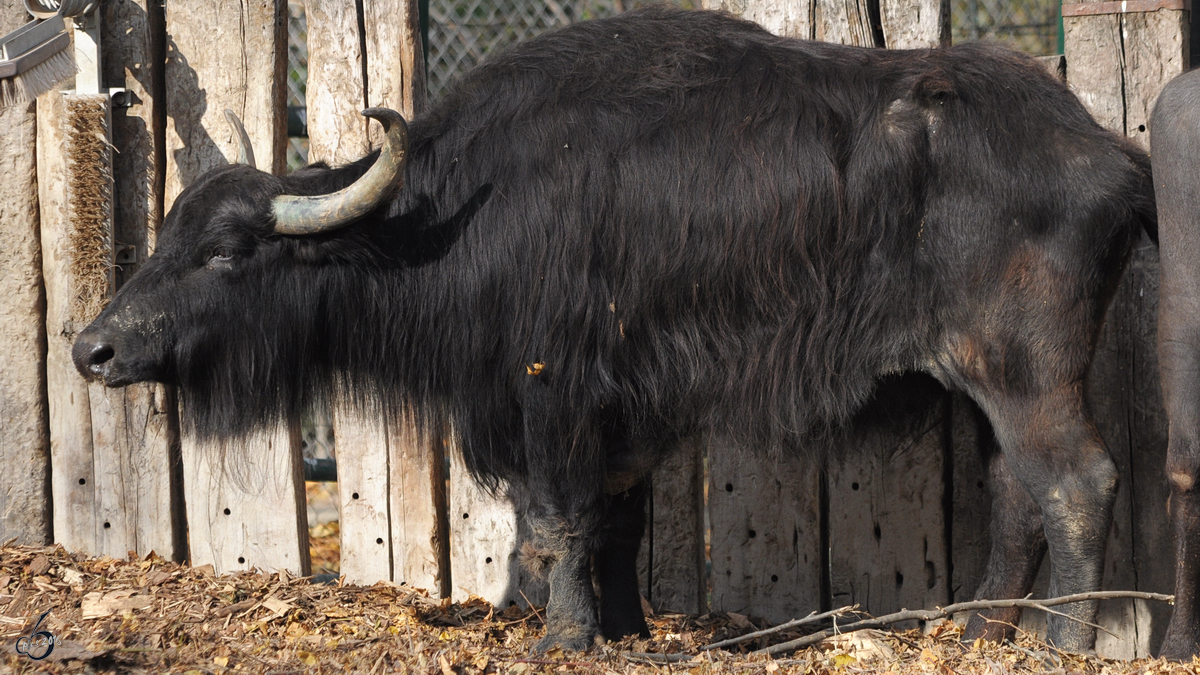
[{"x": 208, "y": 302}]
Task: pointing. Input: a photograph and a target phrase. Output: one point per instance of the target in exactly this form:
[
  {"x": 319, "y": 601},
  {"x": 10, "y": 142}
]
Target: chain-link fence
[
  {"x": 1030, "y": 26},
  {"x": 297, "y": 79},
  {"x": 317, "y": 443},
  {"x": 462, "y": 32}
]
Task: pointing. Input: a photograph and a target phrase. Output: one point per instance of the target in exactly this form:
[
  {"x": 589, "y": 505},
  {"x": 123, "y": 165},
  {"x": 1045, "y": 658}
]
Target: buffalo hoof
[
  {"x": 574, "y": 643},
  {"x": 618, "y": 630},
  {"x": 618, "y": 622}
]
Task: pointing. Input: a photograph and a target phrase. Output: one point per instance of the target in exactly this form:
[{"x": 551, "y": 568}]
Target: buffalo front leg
[
  {"x": 1055, "y": 453},
  {"x": 616, "y": 564},
  {"x": 565, "y": 460},
  {"x": 571, "y": 621},
  {"x": 1018, "y": 547}
]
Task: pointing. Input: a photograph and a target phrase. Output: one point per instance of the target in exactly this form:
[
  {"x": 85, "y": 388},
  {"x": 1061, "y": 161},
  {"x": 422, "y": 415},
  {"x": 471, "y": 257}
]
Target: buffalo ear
[{"x": 933, "y": 88}]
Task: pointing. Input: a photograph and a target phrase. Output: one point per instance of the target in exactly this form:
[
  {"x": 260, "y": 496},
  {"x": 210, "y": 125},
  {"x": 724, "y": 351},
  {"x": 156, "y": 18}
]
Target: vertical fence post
[
  {"x": 846, "y": 23},
  {"x": 764, "y": 508},
  {"x": 134, "y": 429},
  {"x": 793, "y": 18},
  {"x": 909, "y": 24},
  {"x": 334, "y": 99},
  {"x": 24, "y": 437},
  {"x": 1117, "y": 64},
  {"x": 887, "y": 533},
  {"x": 387, "y": 468},
  {"x": 233, "y": 56},
  {"x": 671, "y": 562},
  {"x": 486, "y": 534},
  {"x": 74, "y": 180}
]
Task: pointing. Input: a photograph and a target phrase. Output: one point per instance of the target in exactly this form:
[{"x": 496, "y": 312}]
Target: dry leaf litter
[{"x": 150, "y": 615}]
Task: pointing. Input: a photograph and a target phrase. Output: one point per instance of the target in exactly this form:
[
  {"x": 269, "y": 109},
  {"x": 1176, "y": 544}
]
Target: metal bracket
[
  {"x": 126, "y": 254},
  {"x": 119, "y": 97}
]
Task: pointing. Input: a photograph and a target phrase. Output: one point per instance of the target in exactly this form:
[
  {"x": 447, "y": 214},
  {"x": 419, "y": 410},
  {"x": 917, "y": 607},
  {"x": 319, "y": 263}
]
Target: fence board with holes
[
  {"x": 242, "y": 504},
  {"x": 897, "y": 518},
  {"x": 24, "y": 439}
]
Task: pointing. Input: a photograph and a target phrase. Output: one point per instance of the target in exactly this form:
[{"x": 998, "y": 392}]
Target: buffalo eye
[{"x": 221, "y": 257}]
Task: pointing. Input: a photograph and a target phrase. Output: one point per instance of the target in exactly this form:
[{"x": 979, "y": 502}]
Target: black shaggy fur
[{"x": 688, "y": 223}]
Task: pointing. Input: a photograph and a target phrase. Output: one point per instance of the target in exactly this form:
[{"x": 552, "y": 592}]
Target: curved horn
[
  {"x": 241, "y": 138},
  {"x": 322, "y": 213}
]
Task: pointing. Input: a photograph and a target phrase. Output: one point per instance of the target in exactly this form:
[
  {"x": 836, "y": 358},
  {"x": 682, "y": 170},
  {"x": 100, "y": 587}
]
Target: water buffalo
[
  {"x": 629, "y": 230},
  {"x": 1175, "y": 147}
]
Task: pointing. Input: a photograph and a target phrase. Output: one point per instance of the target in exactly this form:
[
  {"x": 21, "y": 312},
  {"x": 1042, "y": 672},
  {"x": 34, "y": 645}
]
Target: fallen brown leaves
[{"x": 153, "y": 616}]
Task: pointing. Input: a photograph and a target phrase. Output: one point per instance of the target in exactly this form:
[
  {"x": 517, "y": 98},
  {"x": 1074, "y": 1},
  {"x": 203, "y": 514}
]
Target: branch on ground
[{"x": 897, "y": 617}]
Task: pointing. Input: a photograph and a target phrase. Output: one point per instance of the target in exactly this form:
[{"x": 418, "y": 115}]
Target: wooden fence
[{"x": 897, "y": 519}]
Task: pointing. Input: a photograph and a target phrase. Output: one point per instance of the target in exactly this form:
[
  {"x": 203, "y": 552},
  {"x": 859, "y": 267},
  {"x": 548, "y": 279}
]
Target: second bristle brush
[{"x": 33, "y": 59}]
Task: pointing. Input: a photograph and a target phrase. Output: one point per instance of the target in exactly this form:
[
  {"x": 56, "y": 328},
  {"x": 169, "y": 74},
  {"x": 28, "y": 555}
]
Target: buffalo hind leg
[
  {"x": 616, "y": 564},
  {"x": 1018, "y": 546},
  {"x": 1054, "y": 451}
]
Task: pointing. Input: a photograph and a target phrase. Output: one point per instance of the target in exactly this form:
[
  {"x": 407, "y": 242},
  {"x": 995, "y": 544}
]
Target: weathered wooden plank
[
  {"x": 1148, "y": 490},
  {"x": 418, "y": 506},
  {"x": 135, "y": 492},
  {"x": 1093, "y": 49},
  {"x": 88, "y": 122},
  {"x": 70, "y": 414},
  {"x": 223, "y": 56},
  {"x": 764, "y": 514},
  {"x": 886, "y": 523},
  {"x": 395, "y": 59},
  {"x": 915, "y": 25},
  {"x": 485, "y": 544},
  {"x": 970, "y": 438},
  {"x": 1124, "y": 391},
  {"x": 1118, "y": 64},
  {"x": 245, "y": 502},
  {"x": 363, "y": 474},
  {"x": 338, "y": 134},
  {"x": 387, "y": 54},
  {"x": 1156, "y": 50},
  {"x": 671, "y": 561},
  {"x": 844, "y": 22},
  {"x": 391, "y": 486},
  {"x": 133, "y": 428},
  {"x": 334, "y": 95},
  {"x": 793, "y": 18},
  {"x": 234, "y": 57},
  {"x": 483, "y": 541},
  {"x": 123, "y": 470},
  {"x": 24, "y": 433}
]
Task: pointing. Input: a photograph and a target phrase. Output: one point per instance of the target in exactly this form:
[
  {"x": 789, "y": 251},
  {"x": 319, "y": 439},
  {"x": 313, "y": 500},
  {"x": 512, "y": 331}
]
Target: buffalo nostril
[
  {"x": 100, "y": 354},
  {"x": 92, "y": 356}
]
